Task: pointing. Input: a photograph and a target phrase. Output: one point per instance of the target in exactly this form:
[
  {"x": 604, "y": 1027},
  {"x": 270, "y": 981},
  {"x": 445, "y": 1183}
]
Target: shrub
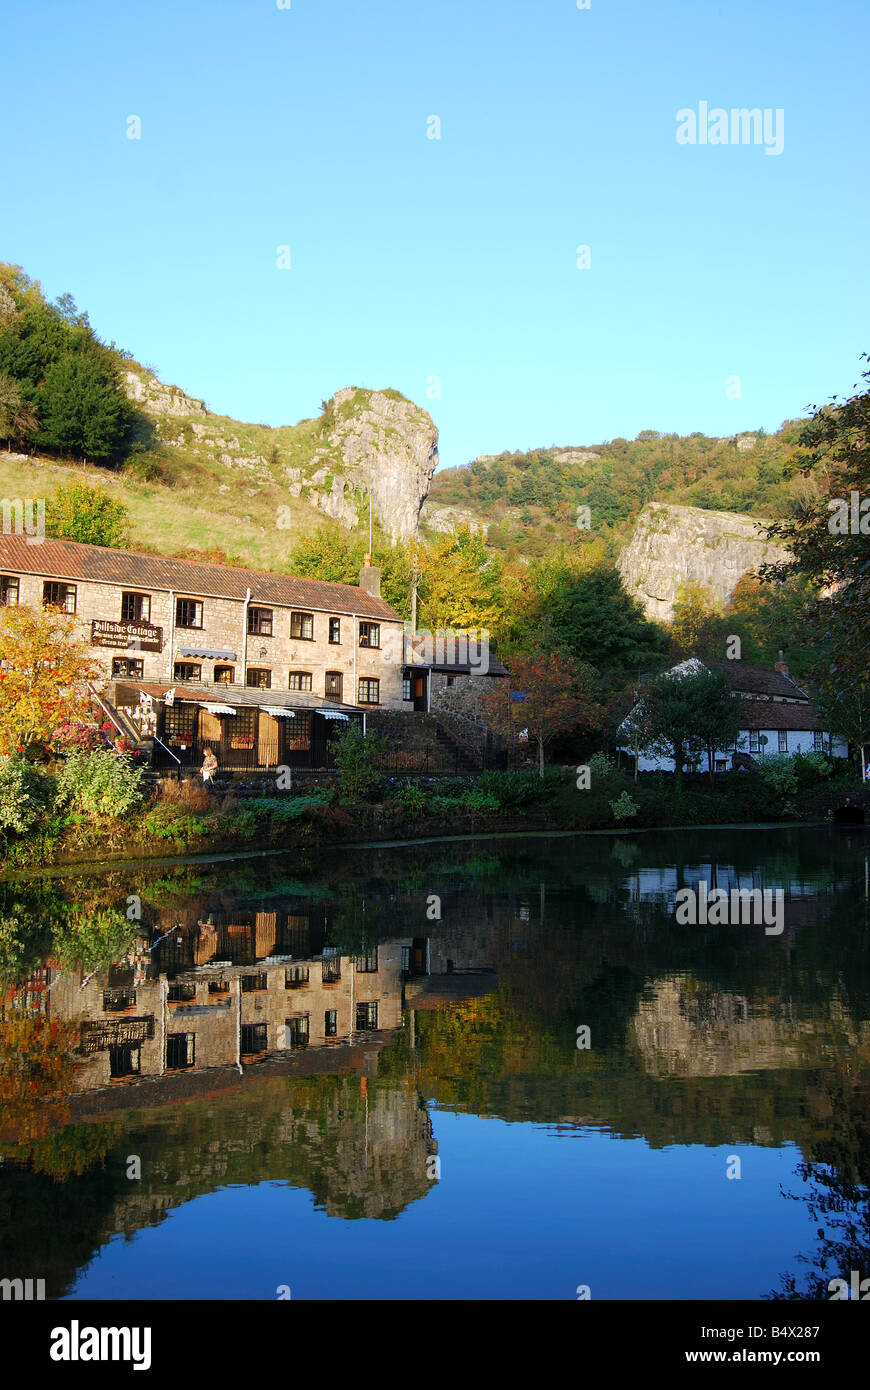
[
  {"x": 479, "y": 802},
  {"x": 623, "y": 807},
  {"x": 99, "y": 784},
  {"x": 411, "y": 800},
  {"x": 601, "y": 767},
  {"x": 26, "y": 793},
  {"x": 358, "y": 758},
  {"x": 778, "y": 772},
  {"x": 511, "y": 788},
  {"x": 812, "y": 768}
]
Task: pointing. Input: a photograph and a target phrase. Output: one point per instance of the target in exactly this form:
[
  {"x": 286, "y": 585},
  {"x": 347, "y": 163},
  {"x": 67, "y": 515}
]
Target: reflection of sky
[{"x": 521, "y": 1212}]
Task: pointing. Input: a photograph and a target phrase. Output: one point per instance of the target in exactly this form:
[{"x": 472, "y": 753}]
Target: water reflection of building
[
  {"x": 224, "y": 991},
  {"x": 684, "y": 1027},
  {"x": 231, "y": 988}
]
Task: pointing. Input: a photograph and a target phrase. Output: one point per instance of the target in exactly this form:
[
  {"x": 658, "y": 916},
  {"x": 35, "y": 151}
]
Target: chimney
[
  {"x": 781, "y": 665},
  {"x": 370, "y": 577}
]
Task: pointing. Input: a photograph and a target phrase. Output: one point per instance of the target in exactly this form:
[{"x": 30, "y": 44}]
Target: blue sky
[{"x": 414, "y": 258}]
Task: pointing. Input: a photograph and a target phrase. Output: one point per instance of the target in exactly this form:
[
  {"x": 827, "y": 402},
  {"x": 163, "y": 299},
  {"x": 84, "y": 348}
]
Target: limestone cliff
[
  {"x": 674, "y": 544},
  {"x": 365, "y": 442}
]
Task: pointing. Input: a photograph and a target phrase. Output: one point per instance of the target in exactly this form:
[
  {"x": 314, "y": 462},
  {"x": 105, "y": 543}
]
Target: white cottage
[{"x": 777, "y": 716}]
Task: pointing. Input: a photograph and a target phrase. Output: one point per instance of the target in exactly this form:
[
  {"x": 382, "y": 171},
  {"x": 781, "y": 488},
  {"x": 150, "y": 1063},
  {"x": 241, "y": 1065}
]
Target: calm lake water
[{"x": 357, "y": 1075}]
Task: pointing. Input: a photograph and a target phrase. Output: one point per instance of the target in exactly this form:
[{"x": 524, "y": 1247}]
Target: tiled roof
[
  {"x": 76, "y": 562},
  {"x": 767, "y": 714},
  {"x": 756, "y": 680}
]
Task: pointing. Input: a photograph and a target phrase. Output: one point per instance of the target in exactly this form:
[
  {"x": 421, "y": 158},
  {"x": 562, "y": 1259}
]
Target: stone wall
[{"x": 224, "y": 629}]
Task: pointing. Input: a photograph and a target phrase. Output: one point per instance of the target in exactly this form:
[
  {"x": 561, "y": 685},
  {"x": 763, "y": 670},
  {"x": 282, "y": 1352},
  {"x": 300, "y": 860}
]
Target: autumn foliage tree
[
  {"x": 548, "y": 695},
  {"x": 43, "y": 670}
]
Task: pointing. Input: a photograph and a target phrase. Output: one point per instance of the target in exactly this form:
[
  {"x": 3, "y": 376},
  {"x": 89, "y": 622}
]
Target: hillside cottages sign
[
  {"x": 101, "y": 1034},
  {"x": 140, "y": 637}
]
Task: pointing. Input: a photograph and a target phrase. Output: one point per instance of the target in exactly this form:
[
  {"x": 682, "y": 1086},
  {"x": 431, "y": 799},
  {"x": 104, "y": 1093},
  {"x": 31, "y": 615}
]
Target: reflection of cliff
[
  {"x": 358, "y": 1144},
  {"x": 686, "y": 1028}
]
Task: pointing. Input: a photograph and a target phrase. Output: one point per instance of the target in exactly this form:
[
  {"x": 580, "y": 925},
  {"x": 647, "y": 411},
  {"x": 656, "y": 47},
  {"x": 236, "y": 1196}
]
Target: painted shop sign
[
  {"x": 112, "y": 1032},
  {"x": 142, "y": 637}
]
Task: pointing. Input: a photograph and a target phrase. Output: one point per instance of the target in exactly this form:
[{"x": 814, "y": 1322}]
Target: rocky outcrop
[
  {"x": 154, "y": 398},
  {"x": 366, "y": 442},
  {"x": 672, "y": 545},
  {"x": 449, "y": 519},
  {"x": 386, "y": 445}
]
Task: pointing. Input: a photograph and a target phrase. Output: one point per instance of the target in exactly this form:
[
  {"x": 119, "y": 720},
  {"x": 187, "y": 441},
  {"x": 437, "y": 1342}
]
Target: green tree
[
  {"x": 88, "y": 514},
  {"x": 17, "y": 417},
  {"x": 81, "y": 408},
  {"x": 697, "y": 627},
  {"x": 682, "y": 713},
  {"x": 459, "y": 583}
]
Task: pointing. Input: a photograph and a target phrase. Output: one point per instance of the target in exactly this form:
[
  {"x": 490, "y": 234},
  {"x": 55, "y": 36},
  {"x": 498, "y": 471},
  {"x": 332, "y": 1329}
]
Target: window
[
  {"x": 333, "y": 686},
  {"x": 366, "y": 1016},
  {"x": 370, "y": 634},
  {"x": 296, "y": 1031},
  {"x": 188, "y": 612},
  {"x": 298, "y": 735},
  {"x": 225, "y": 675},
  {"x": 187, "y": 671},
  {"x": 302, "y": 625},
  {"x": 253, "y": 983},
  {"x": 754, "y": 741},
  {"x": 330, "y": 1023},
  {"x": 331, "y": 966},
  {"x": 123, "y": 1061},
  {"x": 132, "y": 667},
  {"x": 253, "y": 1037},
  {"x": 450, "y": 680},
  {"x": 55, "y": 595},
  {"x": 135, "y": 608},
  {"x": 9, "y": 585},
  {"x": 368, "y": 964},
  {"x": 180, "y": 1051},
  {"x": 116, "y": 1000},
  {"x": 296, "y": 977},
  {"x": 406, "y": 687},
  {"x": 218, "y": 986},
  {"x": 782, "y": 736},
  {"x": 243, "y": 729},
  {"x": 181, "y": 993},
  {"x": 180, "y": 724},
  {"x": 818, "y": 741},
  {"x": 300, "y": 680},
  {"x": 369, "y": 691},
  {"x": 260, "y": 621},
  {"x": 335, "y": 630},
  {"x": 260, "y": 677}
]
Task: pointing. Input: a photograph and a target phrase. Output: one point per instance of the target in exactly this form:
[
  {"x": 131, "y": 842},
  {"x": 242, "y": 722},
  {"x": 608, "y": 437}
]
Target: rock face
[
  {"x": 153, "y": 397},
  {"x": 387, "y": 445},
  {"x": 448, "y": 519},
  {"x": 367, "y": 442},
  {"x": 674, "y": 544}
]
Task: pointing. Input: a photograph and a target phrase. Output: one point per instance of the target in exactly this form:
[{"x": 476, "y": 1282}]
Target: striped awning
[
  {"x": 207, "y": 653},
  {"x": 278, "y": 711},
  {"x": 217, "y": 709},
  {"x": 331, "y": 714}
]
